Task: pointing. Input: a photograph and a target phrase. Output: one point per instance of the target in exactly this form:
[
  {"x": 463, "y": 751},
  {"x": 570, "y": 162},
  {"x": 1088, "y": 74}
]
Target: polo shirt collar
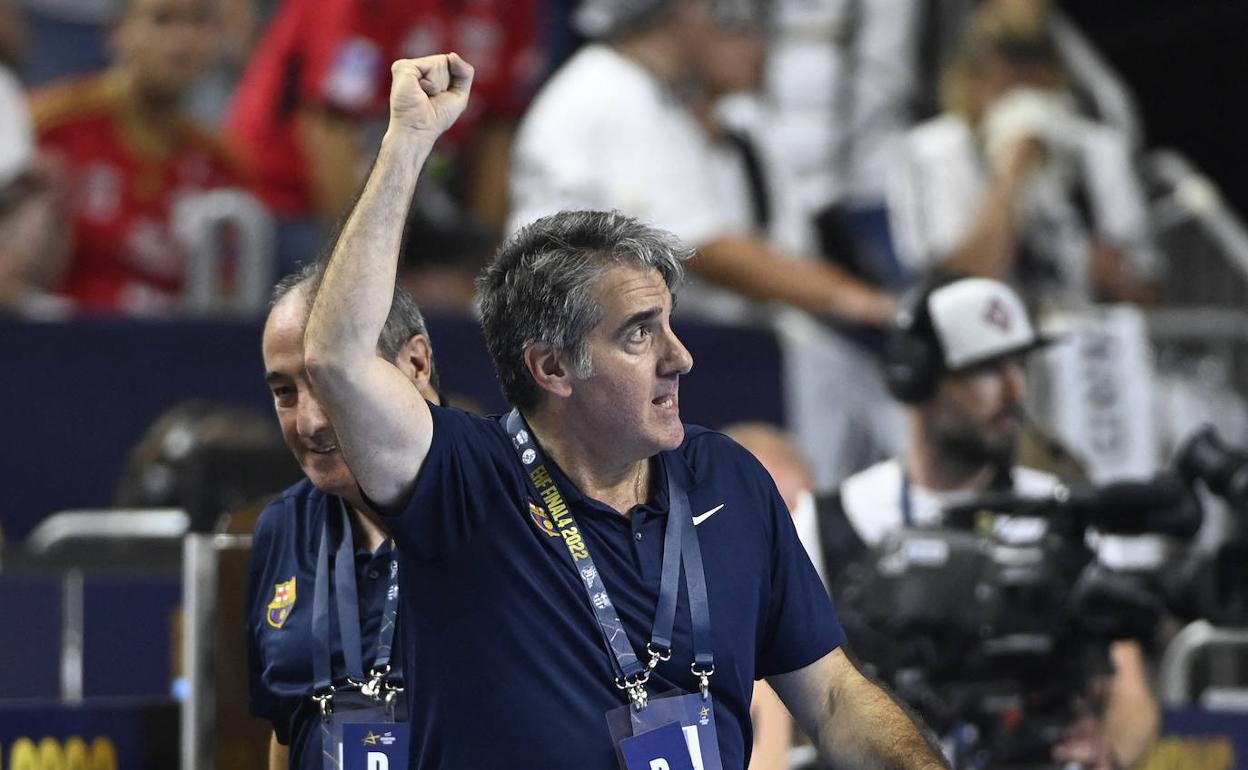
[{"x": 657, "y": 505}]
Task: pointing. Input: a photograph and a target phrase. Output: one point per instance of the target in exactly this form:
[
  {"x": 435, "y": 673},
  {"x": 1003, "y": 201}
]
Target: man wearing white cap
[{"x": 955, "y": 360}]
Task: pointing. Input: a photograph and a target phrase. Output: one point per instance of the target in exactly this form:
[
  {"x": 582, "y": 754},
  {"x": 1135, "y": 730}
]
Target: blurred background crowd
[{"x": 163, "y": 163}]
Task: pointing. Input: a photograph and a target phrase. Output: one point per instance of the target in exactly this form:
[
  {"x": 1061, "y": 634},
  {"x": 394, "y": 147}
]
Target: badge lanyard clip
[{"x": 347, "y": 606}]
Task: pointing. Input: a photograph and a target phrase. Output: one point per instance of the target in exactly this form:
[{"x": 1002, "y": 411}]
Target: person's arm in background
[
  {"x": 1121, "y": 734},
  {"x": 748, "y": 265},
  {"x": 34, "y": 243},
  {"x": 773, "y": 730},
  {"x": 854, "y": 723},
  {"x": 988, "y": 249},
  {"x": 487, "y": 163},
  {"x": 330, "y": 142},
  {"x": 383, "y": 424},
  {"x": 279, "y": 755},
  {"x": 1132, "y": 714}
]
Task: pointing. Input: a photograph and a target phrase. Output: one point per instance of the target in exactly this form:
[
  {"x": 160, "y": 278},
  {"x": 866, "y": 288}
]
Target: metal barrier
[
  {"x": 1181, "y": 654},
  {"x": 216, "y": 729}
]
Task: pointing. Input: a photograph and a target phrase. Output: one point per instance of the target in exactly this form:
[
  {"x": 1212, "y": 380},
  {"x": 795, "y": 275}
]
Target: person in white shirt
[
  {"x": 629, "y": 123},
  {"x": 1011, "y": 182}
]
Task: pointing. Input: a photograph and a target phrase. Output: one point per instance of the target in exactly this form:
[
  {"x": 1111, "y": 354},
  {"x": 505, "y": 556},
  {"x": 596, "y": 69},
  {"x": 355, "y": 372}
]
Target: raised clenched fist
[{"x": 429, "y": 93}]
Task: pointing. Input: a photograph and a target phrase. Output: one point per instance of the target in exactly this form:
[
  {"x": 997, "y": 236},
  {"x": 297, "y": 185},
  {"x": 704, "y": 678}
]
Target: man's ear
[
  {"x": 415, "y": 360},
  {"x": 548, "y": 369}
]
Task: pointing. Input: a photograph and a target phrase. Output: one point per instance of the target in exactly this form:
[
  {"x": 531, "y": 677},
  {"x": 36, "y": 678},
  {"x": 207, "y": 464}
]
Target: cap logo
[{"x": 998, "y": 315}]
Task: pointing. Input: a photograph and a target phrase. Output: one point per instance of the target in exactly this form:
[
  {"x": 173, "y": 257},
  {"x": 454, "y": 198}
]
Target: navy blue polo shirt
[
  {"x": 279, "y": 615},
  {"x": 509, "y": 667}
]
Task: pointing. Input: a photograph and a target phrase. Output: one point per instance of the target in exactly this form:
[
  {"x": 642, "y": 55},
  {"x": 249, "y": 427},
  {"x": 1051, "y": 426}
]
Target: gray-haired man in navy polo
[{"x": 591, "y": 553}]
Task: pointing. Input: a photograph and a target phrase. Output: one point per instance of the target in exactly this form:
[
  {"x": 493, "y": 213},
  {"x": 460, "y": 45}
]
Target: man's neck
[
  {"x": 657, "y": 53},
  {"x": 153, "y": 114},
  {"x": 930, "y": 470},
  {"x": 366, "y": 529},
  {"x": 591, "y": 466}
]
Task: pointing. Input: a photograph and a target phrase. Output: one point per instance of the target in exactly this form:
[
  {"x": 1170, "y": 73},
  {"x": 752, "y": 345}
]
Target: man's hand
[{"x": 429, "y": 93}]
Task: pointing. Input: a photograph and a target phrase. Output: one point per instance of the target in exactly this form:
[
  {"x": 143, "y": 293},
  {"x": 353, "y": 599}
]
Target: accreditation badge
[
  {"x": 691, "y": 712},
  {"x": 363, "y": 734},
  {"x": 369, "y": 746}
]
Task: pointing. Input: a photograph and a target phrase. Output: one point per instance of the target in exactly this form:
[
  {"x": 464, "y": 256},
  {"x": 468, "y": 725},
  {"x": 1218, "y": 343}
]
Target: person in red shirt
[
  {"x": 311, "y": 107},
  {"x": 133, "y": 159}
]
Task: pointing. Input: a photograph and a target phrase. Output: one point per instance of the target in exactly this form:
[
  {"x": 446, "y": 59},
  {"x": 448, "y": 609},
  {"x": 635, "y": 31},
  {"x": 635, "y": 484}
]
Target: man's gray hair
[
  {"x": 540, "y": 288},
  {"x": 404, "y": 321}
]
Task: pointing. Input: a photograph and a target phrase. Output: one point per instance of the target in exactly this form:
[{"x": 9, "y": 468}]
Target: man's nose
[
  {"x": 1015, "y": 378},
  {"x": 678, "y": 359},
  {"x": 310, "y": 418}
]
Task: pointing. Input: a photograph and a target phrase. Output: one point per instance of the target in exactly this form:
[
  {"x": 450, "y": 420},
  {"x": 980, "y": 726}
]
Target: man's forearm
[
  {"x": 355, "y": 294},
  {"x": 989, "y": 246},
  {"x": 866, "y": 729},
  {"x": 749, "y": 265}
]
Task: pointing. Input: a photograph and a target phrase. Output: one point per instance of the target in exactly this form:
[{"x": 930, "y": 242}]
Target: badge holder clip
[
  {"x": 704, "y": 678},
  {"x": 376, "y": 681},
  {"x": 325, "y": 701},
  {"x": 635, "y": 686}
]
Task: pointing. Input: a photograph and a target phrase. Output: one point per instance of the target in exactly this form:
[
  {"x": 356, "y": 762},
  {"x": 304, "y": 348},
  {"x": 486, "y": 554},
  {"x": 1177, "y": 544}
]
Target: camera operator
[{"x": 955, "y": 360}]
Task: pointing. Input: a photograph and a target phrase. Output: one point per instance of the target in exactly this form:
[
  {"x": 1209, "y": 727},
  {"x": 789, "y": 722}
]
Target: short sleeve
[
  {"x": 801, "y": 625},
  {"x": 1117, "y": 199},
  {"x": 468, "y": 474}
]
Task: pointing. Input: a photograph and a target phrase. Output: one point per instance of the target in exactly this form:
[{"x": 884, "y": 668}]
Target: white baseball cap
[
  {"x": 979, "y": 319},
  {"x": 17, "y": 140}
]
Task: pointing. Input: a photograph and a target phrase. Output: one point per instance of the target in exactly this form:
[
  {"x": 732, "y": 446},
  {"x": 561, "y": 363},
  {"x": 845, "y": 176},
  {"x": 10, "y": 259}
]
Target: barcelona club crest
[
  {"x": 283, "y": 602},
  {"x": 542, "y": 519}
]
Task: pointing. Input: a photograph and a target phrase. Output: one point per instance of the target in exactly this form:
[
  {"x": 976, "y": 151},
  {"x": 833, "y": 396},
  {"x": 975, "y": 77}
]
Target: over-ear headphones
[{"x": 913, "y": 360}]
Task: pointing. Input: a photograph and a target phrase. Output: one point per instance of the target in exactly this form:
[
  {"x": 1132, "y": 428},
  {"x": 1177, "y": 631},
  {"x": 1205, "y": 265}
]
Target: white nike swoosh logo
[{"x": 699, "y": 519}]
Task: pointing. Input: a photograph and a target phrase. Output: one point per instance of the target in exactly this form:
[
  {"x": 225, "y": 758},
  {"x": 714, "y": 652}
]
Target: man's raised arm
[{"x": 383, "y": 424}]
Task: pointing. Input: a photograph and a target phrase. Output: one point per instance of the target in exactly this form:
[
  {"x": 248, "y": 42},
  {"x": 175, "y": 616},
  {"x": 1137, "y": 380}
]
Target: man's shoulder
[
  {"x": 1033, "y": 482},
  {"x": 596, "y": 80},
  {"x": 73, "y": 102},
  {"x": 870, "y": 498},
  {"x": 939, "y": 136},
  {"x": 703, "y": 448},
  {"x": 300, "y": 499}
]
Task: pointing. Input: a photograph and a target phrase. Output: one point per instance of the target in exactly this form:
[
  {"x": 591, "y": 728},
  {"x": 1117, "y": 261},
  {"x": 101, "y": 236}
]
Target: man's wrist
[{"x": 407, "y": 144}]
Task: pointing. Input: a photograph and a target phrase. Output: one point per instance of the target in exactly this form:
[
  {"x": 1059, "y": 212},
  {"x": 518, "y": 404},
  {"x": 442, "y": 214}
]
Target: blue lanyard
[
  {"x": 907, "y": 509},
  {"x": 680, "y": 546},
  {"x": 348, "y": 611}
]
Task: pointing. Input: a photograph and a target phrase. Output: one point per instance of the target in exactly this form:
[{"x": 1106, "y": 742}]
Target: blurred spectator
[
  {"x": 626, "y": 123},
  {"x": 845, "y": 79},
  {"x": 1099, "y": 92},
  {"x": 629, "y": 123},
  {"x": 312, "y": 106},
  {"x": 134, "y": 161},
  {"x": 1012, "y": 182},
  {"x": 32, "y": 242}
]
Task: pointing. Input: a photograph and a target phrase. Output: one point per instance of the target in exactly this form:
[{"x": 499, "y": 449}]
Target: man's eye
[
  {"x": 639, "y": 334},
  {"x": 284, "y": 394}
]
